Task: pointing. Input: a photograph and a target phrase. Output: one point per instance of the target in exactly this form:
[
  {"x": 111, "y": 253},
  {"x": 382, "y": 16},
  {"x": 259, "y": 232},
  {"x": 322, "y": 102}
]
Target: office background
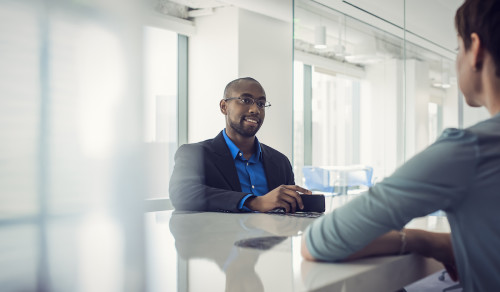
[{"x": 96, "y": 96}]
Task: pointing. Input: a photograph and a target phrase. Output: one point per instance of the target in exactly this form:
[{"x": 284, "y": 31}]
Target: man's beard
[{"x": 240, "y": 129}]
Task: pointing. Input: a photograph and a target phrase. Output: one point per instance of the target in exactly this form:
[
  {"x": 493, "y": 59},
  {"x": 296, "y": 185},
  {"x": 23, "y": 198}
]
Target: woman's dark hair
[{"x": 483, "y": 18}]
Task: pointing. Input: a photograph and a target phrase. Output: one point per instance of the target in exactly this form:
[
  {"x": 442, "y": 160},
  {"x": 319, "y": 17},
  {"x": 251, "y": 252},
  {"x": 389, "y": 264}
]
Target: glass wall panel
[
  {"x": 71, "y": 164},
  {"x": 19, "y": 109},
  {"x": 354, "y": 116},
  {"x": 373, "y": 89},
  {"x": 432, "y": 22},
  {"x": 431, "y": 97}
]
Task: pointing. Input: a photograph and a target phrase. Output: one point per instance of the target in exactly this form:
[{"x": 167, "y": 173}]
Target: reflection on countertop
[
  {"x": 196, "y": 251},
  {"x": 212, "y": 237},
  {"x": 207, "y": 256}
]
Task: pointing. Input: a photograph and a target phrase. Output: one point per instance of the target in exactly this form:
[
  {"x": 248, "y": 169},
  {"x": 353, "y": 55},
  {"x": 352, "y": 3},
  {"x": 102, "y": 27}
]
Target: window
[{"x": 335, "y": 120}]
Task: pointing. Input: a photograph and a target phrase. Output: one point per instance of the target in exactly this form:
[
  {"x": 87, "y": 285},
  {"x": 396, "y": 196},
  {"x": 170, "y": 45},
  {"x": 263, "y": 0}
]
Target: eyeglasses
[{"x": 248, "y": 101}]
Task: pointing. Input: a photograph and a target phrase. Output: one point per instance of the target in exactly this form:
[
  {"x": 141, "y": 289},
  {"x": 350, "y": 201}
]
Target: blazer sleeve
[{"x": 198, "y": 185}]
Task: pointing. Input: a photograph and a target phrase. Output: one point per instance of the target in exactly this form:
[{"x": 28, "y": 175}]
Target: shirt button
[
  {"x": 247, "y": 163},
  {"x": 241, "y": 154},
  {"x": 253, "y": 187}
]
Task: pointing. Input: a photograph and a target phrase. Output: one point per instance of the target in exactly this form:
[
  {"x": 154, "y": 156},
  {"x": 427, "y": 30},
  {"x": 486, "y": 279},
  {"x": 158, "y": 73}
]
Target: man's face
[{"x": 244, "y": 119}]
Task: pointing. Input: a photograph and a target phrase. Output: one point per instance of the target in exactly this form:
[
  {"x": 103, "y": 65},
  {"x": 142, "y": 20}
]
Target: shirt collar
[{"x": 235, "y": 150}]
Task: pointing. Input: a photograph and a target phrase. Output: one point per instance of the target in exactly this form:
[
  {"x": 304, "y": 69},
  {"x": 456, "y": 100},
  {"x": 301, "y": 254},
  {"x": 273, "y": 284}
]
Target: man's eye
[
  {"x": 246, "y": 100},
  {"x": 260, "y": 104}
]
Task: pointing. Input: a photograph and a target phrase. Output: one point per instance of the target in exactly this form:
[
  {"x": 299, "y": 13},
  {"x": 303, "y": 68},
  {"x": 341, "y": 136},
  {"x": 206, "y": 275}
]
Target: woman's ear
[
  {"x": 223, "y": 106},
  {"x": 476, "y": 50}
]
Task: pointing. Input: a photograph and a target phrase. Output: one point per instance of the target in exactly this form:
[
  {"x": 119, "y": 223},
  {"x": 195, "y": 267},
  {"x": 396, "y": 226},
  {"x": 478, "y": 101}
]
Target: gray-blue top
[{"x": 459, "y": 173}]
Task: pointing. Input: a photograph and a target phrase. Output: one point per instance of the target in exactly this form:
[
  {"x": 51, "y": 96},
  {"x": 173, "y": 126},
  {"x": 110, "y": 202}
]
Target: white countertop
[{"x": 197, "y": 252}]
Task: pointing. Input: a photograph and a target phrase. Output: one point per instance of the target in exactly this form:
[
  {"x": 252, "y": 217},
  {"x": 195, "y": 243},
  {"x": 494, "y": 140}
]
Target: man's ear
[
  {"x": 223, "y": 106},
  {"x": 477, "y": 52}
]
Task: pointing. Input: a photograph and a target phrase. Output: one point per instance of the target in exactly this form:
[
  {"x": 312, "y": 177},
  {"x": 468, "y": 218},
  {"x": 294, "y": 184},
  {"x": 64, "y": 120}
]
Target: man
[{"x": 234, "y": 172}]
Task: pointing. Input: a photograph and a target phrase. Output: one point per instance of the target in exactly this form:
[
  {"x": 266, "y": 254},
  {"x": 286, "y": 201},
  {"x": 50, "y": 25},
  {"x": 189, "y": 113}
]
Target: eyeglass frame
[{"x": 254, "y": 101}]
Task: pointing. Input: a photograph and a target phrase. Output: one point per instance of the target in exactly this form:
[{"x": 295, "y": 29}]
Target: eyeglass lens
[{"x": 250, "y": 101}]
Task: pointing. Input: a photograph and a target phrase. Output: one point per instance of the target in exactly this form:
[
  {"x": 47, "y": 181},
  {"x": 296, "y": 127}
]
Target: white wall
[
  {"x": 213, "y": 62},
  {"x": 417, "y": 101},
  {"x": 473, "y": 115},
  {"x": 265, "y": 53},
  {"x": 381, "y": 103},
  {"x": 450, "y": 107},
  {"x": 234, "y": 43}
]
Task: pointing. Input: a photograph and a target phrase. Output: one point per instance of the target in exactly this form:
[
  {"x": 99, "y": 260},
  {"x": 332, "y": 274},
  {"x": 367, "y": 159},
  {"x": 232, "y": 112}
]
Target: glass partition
[
  {"x": 71, "y": 176},
  {"x": 430, "y": 24},
  {"x": 372, "y": 89},
  {"x": 348, "y": 101}
]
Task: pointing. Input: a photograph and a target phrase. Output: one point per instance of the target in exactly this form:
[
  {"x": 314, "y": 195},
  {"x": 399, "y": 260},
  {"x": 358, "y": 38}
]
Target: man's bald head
[{"x": 231, "y": 85}]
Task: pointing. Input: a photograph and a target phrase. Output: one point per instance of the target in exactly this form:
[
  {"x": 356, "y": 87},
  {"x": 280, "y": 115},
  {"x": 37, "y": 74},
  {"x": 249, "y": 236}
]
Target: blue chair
[
  {"x": 337, "y": 179},
  {"x": 359, "y": 176},
  {"x": 317, "y": 179}
]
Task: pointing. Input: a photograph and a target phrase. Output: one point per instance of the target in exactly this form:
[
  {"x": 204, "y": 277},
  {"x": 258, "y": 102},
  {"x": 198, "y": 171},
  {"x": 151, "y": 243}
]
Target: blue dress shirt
[{"x": 250, "y": 171}]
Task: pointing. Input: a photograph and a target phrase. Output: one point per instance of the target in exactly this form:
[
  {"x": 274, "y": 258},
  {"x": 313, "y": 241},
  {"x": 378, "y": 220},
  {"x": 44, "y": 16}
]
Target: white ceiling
[
  {"x": 279, "y": 9},
  {"x": 429, "y": 22},
  {"x": 200, "y": 4},
  {"x": 432, "y": 20}
]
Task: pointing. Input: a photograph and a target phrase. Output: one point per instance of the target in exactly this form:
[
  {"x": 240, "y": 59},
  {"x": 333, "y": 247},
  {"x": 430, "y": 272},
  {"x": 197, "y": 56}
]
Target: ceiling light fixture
[
  {"x": 339, "y": 48},
  {"x": 320, "y": 37}
]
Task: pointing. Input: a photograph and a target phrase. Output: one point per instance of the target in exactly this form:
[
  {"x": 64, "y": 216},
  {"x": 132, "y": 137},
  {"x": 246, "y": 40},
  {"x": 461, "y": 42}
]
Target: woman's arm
[
  {"x": 425, "y": 243},
  {"x": 387, "y": 244}
]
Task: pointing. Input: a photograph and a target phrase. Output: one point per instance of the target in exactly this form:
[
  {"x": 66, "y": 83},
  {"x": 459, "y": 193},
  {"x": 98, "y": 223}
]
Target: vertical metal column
[
  {"x": 182, "y": 135},
  {"x": 460, "y": 110},
  {"x": 356, "y": 123},
  {"x": 182, "y": 90},
  {"x": 43, "y": 272},
  {"x": 308, "y": 115}
]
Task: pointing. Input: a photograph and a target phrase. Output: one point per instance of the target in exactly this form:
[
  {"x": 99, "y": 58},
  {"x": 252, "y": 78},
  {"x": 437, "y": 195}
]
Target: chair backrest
[
  {"x": 361, "y": 176},
  {"x": 317, "y": 179},
  {"x": 337, "y": 178}
]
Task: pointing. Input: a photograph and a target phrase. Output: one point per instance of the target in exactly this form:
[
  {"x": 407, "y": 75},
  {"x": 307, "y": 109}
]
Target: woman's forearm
[
  {"x": 425, "y": 243},
  {"x": 387, "y": 244}
]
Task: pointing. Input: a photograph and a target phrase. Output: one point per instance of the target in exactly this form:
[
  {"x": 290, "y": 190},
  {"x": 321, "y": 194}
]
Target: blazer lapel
[
  {"x": 271, "y": 169},
  {"x": 224, "y": 162}
]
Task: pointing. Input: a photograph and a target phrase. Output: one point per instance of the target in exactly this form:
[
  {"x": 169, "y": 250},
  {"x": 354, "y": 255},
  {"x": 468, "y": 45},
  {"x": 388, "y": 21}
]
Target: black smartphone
[{"x": 313, "y": 203}]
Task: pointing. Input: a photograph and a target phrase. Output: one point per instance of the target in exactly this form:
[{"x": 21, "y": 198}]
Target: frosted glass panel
[
  {"x": 19, "y": 108},
  {"x": 71, "y": 151}
]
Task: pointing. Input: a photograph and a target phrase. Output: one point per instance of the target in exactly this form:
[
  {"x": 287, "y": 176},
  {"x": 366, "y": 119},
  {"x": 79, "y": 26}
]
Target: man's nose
[{"x": 254, "y": 108}]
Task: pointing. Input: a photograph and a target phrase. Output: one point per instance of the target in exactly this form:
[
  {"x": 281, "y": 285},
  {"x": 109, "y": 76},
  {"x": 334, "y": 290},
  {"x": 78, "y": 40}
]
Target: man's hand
[{"x": 284, "y": 196}]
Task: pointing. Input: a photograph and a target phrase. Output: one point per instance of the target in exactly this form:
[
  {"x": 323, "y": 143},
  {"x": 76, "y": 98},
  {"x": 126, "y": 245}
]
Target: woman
[{"x": 459, "y": 173}]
